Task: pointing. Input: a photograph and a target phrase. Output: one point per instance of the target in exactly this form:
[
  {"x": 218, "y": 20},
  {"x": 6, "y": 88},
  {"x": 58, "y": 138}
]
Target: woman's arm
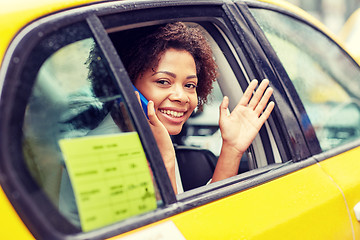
[{"x": 239, "y": 128}]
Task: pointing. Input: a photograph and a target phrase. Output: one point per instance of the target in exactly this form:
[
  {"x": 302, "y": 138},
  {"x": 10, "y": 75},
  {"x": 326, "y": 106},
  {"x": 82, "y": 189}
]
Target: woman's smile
[{"x": 172, "y": 113}]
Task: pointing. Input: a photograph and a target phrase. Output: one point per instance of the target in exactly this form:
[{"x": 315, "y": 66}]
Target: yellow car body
[
  {"x": 15, "y": 15},
  {"x": 314, "y": 201}
]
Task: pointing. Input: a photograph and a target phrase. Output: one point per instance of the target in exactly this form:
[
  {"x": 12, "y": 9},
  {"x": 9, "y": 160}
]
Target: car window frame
[{"x": 208, "y": 194}]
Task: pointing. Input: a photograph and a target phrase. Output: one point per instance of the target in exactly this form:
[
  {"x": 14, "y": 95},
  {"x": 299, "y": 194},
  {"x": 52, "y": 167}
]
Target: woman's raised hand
[{"x": 239, "y": 128}]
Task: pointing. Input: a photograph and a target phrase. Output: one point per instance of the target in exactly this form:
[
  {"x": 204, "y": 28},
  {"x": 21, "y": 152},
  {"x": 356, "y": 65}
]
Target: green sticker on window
[{"x": 110, "y": 177}]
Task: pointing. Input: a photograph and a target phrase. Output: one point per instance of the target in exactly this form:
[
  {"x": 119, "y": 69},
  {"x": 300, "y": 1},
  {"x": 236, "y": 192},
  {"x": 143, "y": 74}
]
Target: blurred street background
[{"x": 333, "y": 13}]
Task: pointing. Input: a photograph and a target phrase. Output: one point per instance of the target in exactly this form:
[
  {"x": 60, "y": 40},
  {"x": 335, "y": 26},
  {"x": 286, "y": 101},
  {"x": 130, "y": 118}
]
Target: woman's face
[{"x": 172, "y": 88}]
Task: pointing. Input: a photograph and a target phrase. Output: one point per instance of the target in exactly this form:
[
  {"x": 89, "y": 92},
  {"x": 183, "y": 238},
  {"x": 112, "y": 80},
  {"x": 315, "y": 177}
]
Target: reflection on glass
[
  {"x": 324, "y": 77},
  {"x": 75, "y": 97}
]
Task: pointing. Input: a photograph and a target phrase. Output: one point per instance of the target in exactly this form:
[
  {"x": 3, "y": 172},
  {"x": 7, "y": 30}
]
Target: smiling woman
[
  {"x": 172, "y": 65},
  {"x": 140, "y": 50},
  {"x": 172, "y": 88}
]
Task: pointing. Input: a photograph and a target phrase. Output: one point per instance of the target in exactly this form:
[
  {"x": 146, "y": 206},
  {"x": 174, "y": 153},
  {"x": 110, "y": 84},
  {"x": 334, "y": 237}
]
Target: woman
[{"x": 173, "y": 67}]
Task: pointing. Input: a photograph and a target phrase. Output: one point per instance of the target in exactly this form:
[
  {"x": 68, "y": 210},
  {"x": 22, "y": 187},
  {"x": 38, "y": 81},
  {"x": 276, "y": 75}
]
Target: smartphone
[{"x": 144, "y": 102}]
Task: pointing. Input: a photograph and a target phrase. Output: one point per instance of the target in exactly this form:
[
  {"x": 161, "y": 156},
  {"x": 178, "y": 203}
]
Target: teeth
[{"x": 172, "y": 113}]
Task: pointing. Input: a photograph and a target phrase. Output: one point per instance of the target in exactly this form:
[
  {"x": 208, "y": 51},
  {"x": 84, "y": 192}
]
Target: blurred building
[{"x": 333, "y": 13}]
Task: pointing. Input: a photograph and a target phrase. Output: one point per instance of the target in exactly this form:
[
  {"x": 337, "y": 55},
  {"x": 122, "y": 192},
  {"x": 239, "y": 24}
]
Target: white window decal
[{"x": 163, "y": 231}]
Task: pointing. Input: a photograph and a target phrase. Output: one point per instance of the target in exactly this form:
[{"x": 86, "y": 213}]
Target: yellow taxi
[{"x": 299, "y": 179}]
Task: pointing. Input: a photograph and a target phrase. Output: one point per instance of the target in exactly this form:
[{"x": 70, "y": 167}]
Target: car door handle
[{"x": 357, "y": 211}]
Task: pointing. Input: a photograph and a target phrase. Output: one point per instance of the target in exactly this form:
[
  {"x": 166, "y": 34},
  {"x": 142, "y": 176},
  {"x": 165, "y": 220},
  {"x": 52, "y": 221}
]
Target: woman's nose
[{"x": 179, "y": 94}]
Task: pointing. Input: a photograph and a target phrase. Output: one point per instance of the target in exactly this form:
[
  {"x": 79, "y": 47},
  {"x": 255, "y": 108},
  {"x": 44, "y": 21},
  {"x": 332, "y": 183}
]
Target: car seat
[{"x": 196, "y": 166}]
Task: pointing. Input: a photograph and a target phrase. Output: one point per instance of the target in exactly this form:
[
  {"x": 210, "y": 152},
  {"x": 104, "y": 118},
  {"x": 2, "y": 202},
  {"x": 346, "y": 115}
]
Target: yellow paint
[
  {"x": 295, "y": 206},
  {"x": 11, "y": 225},
  {"x": 344, "y": 169},
  {"x": 15, "y": 14}
]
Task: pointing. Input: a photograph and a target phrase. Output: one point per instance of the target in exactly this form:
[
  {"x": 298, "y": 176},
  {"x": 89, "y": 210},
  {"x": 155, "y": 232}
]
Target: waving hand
[{"x": 239, "y": 128}]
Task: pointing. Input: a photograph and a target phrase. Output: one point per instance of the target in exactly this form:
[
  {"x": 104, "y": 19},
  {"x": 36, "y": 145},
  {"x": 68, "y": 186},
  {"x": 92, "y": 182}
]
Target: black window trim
[{"x": 207, "y": 194}]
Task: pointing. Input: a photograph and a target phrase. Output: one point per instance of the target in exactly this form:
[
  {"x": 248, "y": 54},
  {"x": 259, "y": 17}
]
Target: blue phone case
[{"x": 144, "y": 101}]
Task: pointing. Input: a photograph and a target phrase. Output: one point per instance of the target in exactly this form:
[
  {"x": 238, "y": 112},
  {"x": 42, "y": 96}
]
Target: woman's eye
[
  {"x": 163, "y": 82},
  {"x": 190, "y": 85}
]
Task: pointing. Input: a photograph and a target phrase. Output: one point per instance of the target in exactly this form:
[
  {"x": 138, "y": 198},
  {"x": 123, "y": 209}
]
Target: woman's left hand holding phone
[{"x": 163, "y": 141}]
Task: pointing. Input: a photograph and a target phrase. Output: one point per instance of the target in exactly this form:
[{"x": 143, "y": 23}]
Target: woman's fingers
[
  {"x": 151, "y": 113},
  {"x": 257, "y": 100},
  {"x": 153, "y": 119},
  {"x": 258, "y": 94},
  {"x": 248, "y": 93},
  {"x": 263, "y": 101},
  {"x": 224, "y": 108},
  {"x": 265, "y": 115}
]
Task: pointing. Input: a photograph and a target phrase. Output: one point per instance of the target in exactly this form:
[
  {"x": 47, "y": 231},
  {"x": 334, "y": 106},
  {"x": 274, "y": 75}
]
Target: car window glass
[
  {"x": 323, "y": 75},
  {"x": 79, "y": 140}
]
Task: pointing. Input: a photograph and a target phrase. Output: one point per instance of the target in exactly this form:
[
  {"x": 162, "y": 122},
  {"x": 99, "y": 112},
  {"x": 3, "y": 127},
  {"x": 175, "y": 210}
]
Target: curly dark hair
[{"x": 141, "y": 49}]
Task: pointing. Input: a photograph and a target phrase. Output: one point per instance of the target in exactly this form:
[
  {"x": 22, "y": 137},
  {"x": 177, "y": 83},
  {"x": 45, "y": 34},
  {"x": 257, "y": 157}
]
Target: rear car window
[{"x": 79, "y": 141}]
